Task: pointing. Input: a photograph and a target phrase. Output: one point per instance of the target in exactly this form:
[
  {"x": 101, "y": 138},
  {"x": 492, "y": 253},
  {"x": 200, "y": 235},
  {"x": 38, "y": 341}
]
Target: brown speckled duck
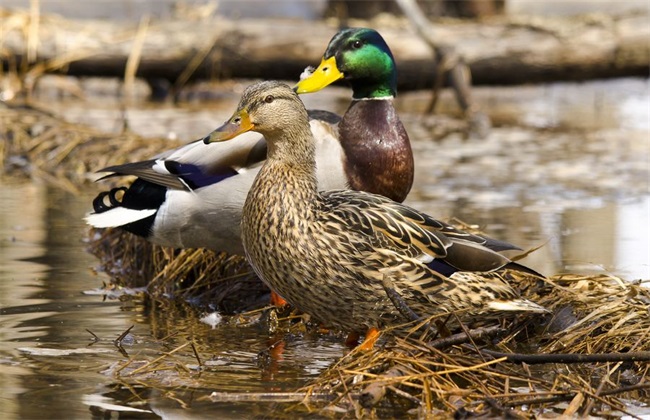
[{"x": 328, "y": 253}]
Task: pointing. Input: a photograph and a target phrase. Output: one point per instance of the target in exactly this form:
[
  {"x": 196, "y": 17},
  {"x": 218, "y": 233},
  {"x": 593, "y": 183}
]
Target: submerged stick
[
  {"x": 277, "y": 397},
  {"x": 118, "y": 340}
]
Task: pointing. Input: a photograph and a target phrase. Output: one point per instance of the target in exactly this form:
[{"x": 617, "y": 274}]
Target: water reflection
[
  {"x": 41, "y": 278},
  {"x": 50, "y": 363}
]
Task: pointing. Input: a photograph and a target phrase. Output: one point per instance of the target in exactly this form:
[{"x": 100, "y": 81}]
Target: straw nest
[
  {"x": 590, "y": 358},
  {"x": 223, "y": 282},
  {"x": 593, "y": 350}
]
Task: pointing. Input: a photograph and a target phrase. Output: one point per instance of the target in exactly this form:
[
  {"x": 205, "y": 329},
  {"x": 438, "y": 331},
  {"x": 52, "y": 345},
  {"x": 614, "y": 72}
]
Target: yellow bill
[{"x": 326, "y": 74}]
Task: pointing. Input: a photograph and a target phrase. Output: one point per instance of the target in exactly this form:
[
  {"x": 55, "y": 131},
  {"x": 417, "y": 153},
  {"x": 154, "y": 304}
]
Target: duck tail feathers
[
  {"x": 109, "y": 210},
  {"x": 517, "y": 305},
  {"x": 117, "y": 216}
]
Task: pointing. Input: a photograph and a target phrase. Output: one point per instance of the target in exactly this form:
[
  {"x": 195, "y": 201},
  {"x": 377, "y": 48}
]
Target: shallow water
[
  {"x": 50, "y": 363},
  {"x": 567, "y": 166}
]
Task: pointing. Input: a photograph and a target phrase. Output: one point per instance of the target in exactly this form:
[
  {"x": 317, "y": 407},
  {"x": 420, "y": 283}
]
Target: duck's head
[
  {"x": 360, "y": 56},
  {"x": 270, "y": 108}
]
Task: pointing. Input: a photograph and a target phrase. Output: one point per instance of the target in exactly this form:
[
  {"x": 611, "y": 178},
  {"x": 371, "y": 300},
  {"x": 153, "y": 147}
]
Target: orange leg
[
  {"x": 371, "y": 337},
  {"x": 277, "y": 300}
]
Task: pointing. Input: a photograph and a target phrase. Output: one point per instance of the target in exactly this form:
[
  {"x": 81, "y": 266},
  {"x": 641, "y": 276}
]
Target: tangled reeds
[
  {"x": 600, "y": 316},
  {"x": 207, "y": 278},
  {"x": 38, "y": 145}
]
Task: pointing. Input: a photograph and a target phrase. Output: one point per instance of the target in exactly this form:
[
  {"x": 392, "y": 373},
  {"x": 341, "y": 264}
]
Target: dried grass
[
  {"x": 198, "y": 275},
  {"x": 36, "y": 144},
  {"x": 606, "y": 315}
]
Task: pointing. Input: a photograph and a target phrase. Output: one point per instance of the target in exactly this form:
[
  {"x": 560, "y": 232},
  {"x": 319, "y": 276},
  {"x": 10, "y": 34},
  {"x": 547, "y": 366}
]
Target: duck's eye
[
  {"x": 269, "y": 99},
  {"x": 357, "y": 44}
]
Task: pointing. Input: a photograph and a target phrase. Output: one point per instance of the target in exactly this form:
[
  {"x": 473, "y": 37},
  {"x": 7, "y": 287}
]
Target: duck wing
[
  {"x": 398, "y": 228},
  {"x": 195, "y": 165}
]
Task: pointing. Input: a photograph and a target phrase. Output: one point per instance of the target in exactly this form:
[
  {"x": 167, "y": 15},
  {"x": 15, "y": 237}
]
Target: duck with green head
[
  {"x": 329, "y": 253},
  {"x": 192, "y": 197},
  {"x": 372, "y": 136}
]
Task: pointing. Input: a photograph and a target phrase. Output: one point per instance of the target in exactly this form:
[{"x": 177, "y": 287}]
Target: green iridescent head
[{"x": 360, "y": 56}]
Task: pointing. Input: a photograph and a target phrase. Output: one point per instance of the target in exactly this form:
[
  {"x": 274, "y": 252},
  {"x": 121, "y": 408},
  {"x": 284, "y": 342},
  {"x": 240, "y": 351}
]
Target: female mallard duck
[
  {"x": 328, "y": 253},
  {"x": 192, "y": 197}
]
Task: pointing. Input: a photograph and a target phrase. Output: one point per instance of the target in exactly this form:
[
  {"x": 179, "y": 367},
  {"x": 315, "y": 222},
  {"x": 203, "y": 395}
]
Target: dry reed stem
[
  {"x": 32, "y": 30},
  {"x": 134, "y": 57}
]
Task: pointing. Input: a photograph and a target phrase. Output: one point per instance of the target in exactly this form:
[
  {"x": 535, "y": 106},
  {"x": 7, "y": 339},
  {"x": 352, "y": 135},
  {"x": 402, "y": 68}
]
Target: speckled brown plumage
[{"x": 327, "y": 253}]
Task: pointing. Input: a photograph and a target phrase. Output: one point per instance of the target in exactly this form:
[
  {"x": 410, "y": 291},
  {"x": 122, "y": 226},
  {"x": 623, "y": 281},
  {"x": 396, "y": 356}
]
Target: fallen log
[{"x": 506, "y": 50}]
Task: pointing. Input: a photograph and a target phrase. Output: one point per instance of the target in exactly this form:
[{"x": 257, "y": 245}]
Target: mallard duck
[
  {"x": 373, "y": 137},
  {"x": 192, "y": 197},
  {"x": 329, "y": 253}
]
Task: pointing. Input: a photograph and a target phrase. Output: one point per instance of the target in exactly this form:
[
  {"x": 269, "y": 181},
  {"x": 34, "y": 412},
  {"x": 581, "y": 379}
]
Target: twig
[
  {"x": 463, "y": 337},
  {"x": 398, "y": 301},
  {"x": 277, "y": 397},
  {"x": 32, "y": 30},
  {"x": 195, "y": 62},
  {"x": 532, "y": 359},
  {"x": 196, "y": 354},
  {"x": 469, "y": 337},
  {"x": 158, "y": 359},
  {"x": 118, "y": 340},
  {"x": 135, "y": 57},
  {"x": 95, "y": 337},
  {"x": 405, "y": 395},
  {"x": 447, "y": 59}
]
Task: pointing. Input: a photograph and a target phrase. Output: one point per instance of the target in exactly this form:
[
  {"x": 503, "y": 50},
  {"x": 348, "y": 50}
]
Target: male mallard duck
[
  {"x": 328, "y": 253},
  {"x": 372, "y": 135},
  {"x": 192, "y": 197}
]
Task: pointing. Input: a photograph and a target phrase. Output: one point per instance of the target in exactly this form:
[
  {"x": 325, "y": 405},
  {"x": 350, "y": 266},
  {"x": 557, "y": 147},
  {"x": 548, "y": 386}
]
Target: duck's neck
[
  {"x": 291, "y": 162},
  {"x": 370, "y": 91},
  {"x": 377, "y": 84},
  {"x": 377, "y": 149}
]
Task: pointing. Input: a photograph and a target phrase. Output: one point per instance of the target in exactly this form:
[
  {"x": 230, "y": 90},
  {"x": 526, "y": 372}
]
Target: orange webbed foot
[
  {"x": 368, "y": 342},
  {"x": 277, "y": 300},
  {"x": 371, "y": 337}
]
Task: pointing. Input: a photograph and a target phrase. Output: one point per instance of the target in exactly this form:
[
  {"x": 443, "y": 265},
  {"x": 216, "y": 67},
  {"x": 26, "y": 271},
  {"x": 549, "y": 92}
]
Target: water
[
  {"x": 566, "y": 166},
  {"x": 50, "y": 363}
]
